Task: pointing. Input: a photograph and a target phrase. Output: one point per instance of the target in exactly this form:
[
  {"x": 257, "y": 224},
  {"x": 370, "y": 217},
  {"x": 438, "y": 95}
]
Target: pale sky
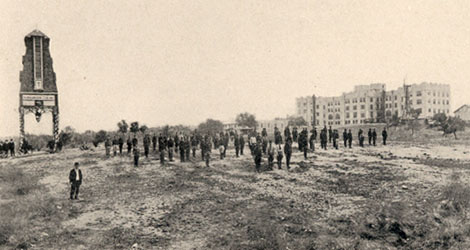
[{"x": 180, "y": 62}]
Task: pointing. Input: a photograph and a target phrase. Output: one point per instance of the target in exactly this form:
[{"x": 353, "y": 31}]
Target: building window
[
  {"x": 354, "y": 107},
  {"x": 355, "y": 115},
  {"x": 363, "y": 115},
  {"x": 372, "y": 106},
  {"x": 418, "y": 101},
  {"x": 363, "y": 106},
  {"x": 347, "y": 115},
  {"x": 418, "y": 93}
]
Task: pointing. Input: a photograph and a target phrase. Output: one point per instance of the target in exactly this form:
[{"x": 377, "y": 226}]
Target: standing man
[
  {"x": 187, "y": 147},
  {"x": 161, "y": 148},
  {"x": 129, "y": 145},
  {"x": 384, "y": 136},
  {"x": 330, "y": 134},
  {"x": 136, "y": 156},
  {"x": 295, "y": 134},
  {"x": 287, "y": 132},
  {"x": 359, "y": 137},
  {"x": 146, "y": 146},
  {"x": 242, "y": 144},
  {"x": 304, "y": 142},
  {"x": 350, "y": 138},
  {"x": 288, "y": 151},
  {"x": 277, "y": 136},
  {"x": 258, "y": 155},
  {"x": 335, "y": 137},
  {"x": 264, "y": 133},
  {"x": 182, "y": 147},
  {"x": 369, "y": 135},
  {"x": 312, "y": 141},
  {"x": 280, "y": 155},
  {"x": 271, "y": 152},
  {"x": 107, "y": 146},
  {"x": 12, "y": 148},
  {"x": 208, "y": 149},
  {"x": 75, "y": 178},
  {"x": 236, "y": 144},
  {"x": 171, "y": 148},
  {"x": 154, "y": 142},
  {"x": 121, "y": 144},
  {"x": 345, "y": 138},
  {"x": 115, "y": 146},
  {"x": 374, "y": 136},
  {"x": 226, "y": 140},
  {"x": 194, "y": 143}
]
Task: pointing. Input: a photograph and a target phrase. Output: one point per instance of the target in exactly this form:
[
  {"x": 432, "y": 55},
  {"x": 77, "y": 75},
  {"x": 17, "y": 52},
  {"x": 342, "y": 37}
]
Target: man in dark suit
[{"x": 75, "y": 178}]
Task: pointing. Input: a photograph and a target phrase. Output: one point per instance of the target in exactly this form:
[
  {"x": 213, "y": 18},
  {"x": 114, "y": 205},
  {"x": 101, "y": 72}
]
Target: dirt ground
[{"x": 384, "y": 197}]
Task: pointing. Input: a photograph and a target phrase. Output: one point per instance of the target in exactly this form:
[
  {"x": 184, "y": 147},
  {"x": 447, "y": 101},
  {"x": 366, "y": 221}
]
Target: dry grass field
[{"x": 411, "y": 194}]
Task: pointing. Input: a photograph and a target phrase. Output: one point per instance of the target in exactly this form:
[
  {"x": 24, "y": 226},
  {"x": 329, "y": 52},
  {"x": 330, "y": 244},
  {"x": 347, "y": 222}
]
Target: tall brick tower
[{"x": 38, "y": 92}]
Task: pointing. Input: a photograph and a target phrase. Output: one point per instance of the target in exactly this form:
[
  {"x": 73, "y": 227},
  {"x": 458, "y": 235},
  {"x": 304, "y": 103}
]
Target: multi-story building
[
  {"x": 372, "y": 103},
  {"x": 463, "y": 112},
  {"x": 269, "y": 125}
]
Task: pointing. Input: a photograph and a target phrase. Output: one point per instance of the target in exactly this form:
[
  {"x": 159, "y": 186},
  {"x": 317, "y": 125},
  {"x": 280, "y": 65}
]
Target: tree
[
  {"x": 438, "y": 120},
  {"x": 211, "y": 126},
  {"x": 246, "y": 119},
  {"x": 100, "y": 137},
  {"x": 134, "y": 127},
  {"x": 453, "y": 125},
  {"x": 143, "y": 129},
  {"x": 296, "y": 121},
  {"x": 123, "y": 126}
]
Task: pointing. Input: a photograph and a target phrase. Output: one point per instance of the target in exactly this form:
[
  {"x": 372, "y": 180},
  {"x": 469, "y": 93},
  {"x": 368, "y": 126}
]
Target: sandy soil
[{"x": 229, "y": 206}]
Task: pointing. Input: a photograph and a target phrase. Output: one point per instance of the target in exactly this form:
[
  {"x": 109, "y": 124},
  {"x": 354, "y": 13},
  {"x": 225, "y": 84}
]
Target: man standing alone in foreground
[{"x": 75, "y": 178}]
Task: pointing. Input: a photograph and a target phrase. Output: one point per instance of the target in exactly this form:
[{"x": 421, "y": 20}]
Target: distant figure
[
  {"x": 280, "y": 155},
  {"x": 313, "y": 138},
  {"x": 374, "y": 137},
  {"x": 288, "y": 151},
  {"x": 350, "y": 138},
  {"x": 330, "y": 134},
  {"x": 287, "y": 132},
  {"x": 121, "y": 144},
  {"x": 162, "y": 148},
  {"x": 384, "y": 136},
  {"x": 136, "y": 156},
  {"x": 271, "y": 152},
  {"x": 75, "y": 178},
  {"x": 182, "y": 148},
  {"x": 242, "y": 144},
  {"x": 207, "y": 151},
  {"x": 187, "y": 147},
  {"x": 369, "y": 135},
  {"x": 12, "y": 148},
  {"x": 171, "y": 145},
  {"x": 258, "y": 155},
  {"x": 345, "y": 138},
  {"x": 146, "y": 145},
  {"x": 129, "y": 145},
  {"x": 154, "y": 143},
  {"x": 335, "y": 138},
  {"x": 107, "y": 146},
  {"x": 360, "y": 138},
  {"x": 277, "y": 136},
  {"x": 264, "y": 133},
  {"x": 304, "y": 141},
  {"x": 194, "y": 144},
  {"x": 221, "y": 151},
  {"x": 236, "y": 144},
  {"x": 115, "y": 146},
  {"x": 295, "y": 134}
]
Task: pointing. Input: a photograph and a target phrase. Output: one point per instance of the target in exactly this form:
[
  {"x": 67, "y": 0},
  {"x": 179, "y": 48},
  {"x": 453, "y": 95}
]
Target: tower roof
[{"x": 36, "y": 33}]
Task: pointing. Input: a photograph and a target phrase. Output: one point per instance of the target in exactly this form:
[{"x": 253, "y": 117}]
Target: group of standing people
[{"x": 7, "y": 148}]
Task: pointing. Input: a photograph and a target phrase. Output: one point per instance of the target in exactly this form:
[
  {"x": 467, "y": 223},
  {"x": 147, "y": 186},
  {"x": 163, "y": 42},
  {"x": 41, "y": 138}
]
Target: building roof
[
  {"x": 36, "y": 33},
  {"x": 463, "y": 106}
]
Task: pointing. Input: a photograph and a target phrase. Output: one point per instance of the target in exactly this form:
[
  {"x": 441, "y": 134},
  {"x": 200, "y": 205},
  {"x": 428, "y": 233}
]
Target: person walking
[{"x": 75, "y": 179}]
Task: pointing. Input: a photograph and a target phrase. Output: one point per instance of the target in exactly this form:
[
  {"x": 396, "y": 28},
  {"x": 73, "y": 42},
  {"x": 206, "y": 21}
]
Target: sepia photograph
[{"x": 234, "y": 125}]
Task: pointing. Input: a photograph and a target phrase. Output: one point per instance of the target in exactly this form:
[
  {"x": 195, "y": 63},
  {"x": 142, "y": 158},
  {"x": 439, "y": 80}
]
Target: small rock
[{"x": 404, "y": 187}]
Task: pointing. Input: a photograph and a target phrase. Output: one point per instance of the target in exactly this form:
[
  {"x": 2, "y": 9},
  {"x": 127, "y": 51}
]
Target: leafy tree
[
  {"x": 296, "y": 121},
  {"x": 211, "y": 126},
  {"x": 246, "y": 119},
  {"x": 100, "y": 137},
  {"x": 438, "y": 120},
  {"x": 143, "y": 129},
  {"x": 134, "y": 127},
  {"x": 123, "y": 126},
  {"x": 453, "y": 125}
]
